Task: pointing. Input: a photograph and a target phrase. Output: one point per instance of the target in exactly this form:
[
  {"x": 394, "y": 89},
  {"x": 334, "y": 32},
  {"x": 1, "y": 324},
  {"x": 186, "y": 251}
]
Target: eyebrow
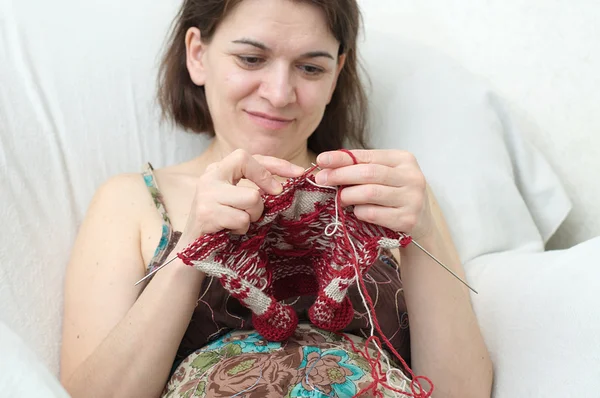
[{"x": 262, "y": 46}]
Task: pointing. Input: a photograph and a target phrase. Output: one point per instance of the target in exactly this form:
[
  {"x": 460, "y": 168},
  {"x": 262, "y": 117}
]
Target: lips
[{"x": 270, "y": 122}]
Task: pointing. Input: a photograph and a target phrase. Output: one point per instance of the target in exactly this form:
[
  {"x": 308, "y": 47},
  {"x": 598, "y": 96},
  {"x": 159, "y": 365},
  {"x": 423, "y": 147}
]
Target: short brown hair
[{"x": 184, "y": 103}]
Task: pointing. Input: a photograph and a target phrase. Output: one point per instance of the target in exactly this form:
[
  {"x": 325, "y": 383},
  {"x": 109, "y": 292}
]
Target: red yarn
[
  {"x": 288, "y": 253},
  {"x": 350, "y": 154},
  {"x": 376, "y": 372}
]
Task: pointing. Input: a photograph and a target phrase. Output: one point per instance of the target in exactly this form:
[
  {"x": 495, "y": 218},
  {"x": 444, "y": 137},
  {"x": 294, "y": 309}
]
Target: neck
[{"x": 301, "y": 156}]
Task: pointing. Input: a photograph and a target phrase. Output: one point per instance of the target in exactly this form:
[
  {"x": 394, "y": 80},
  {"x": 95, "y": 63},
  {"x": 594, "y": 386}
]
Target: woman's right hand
[{"x": 220, "y": 203}]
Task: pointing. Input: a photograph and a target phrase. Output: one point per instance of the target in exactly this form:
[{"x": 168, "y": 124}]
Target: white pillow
[
  {"x": 498, "y": 193},
  {"x": 72, "y": 114},
  {"x": 539, "y": 316},
  {"x": 21, "y": 372}
]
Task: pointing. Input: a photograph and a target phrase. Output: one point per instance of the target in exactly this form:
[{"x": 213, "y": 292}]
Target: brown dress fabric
[{"x": 217, "y": 313}]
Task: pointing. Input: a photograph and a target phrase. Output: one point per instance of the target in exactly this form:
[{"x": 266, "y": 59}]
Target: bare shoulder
[
  {"x": 177, "y": 185},
  {"x": 113, "y": 221},
  {"x": 126, "y": 193}
]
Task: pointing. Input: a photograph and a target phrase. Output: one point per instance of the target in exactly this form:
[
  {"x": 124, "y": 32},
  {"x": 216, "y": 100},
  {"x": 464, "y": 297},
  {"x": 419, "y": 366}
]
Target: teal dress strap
[{"x": 168, "y": 238}]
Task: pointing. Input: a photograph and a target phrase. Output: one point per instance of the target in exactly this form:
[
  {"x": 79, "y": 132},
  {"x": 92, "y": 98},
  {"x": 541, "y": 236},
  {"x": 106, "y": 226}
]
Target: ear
[
  {"x": 195, "y": 52},
  {"x": 340, "y": 66}
]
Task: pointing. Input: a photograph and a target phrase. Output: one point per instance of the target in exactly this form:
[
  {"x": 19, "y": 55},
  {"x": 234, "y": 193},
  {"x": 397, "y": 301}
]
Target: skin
[{"x": 276, "y": 67}]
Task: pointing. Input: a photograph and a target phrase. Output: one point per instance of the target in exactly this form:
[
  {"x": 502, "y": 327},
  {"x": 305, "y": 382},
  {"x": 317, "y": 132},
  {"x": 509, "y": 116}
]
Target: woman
[{"x": 276, "y": 83}]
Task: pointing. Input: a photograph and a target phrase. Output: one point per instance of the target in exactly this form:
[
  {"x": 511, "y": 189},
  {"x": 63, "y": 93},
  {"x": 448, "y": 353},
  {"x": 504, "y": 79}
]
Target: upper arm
[{"x": 104, "y": 265}]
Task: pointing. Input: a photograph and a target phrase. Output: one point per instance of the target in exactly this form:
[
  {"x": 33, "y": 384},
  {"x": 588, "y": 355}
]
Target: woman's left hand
[{"x": 386, "y": 187}]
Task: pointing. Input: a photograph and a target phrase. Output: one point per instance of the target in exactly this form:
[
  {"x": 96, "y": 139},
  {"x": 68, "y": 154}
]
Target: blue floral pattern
[
  {"x": 248, "y": 343},
  {"x": 339, "y": 376},
  {"x": 312, "y": 363}
]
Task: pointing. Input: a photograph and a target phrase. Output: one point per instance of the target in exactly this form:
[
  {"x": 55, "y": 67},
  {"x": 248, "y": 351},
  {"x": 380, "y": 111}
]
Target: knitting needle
[
  {"x": 155, "y": 271},
  {"x": 446, "y": 268},
  {"x": 431, "y": 255},
  {"x": 413, "y": 241},
  {"x": 174, "y": 258}
]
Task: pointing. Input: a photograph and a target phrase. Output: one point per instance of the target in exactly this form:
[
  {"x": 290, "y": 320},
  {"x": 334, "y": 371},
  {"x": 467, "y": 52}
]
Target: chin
[{"x": 269, "y": 145}]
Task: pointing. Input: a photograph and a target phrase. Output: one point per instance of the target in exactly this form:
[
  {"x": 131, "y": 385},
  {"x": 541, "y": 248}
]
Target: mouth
[{"x": 270, "y": 122}]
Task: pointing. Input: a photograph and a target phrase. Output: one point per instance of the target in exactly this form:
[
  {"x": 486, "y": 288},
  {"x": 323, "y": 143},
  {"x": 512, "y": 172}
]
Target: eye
[
  {"x": 250, "y": 61},
  {"x": 311, "y": 70}
]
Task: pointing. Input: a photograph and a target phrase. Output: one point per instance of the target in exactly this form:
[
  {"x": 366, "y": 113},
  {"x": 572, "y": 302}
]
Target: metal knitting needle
[
  {"x": 431, "y": 256},
  {"x": 155, "y": 271},
  {"x": 174, "y": 258},
  {"x": 412, "y": 241},
  {"x": 446, "y": 268}
]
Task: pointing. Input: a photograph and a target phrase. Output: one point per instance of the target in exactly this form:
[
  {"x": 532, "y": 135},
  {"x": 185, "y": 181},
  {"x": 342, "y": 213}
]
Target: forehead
[{"x": 280, "y": 24}]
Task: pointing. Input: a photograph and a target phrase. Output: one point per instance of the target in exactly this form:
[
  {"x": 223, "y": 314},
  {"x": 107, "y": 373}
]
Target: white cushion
[
  {"x": 540, "y": 320},
  {"x": 497, "y": 191},
  {"x": 21, "y": 372},
  {"x": 76, "y": 106}
]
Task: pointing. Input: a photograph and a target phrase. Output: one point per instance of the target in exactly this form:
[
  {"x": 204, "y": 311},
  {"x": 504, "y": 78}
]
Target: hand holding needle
[{"x": 412, "y": 241}]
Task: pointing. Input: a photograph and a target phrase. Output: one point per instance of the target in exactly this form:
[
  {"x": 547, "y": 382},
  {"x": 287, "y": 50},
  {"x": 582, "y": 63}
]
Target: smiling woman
[
  {"x": 308, "y": 52},
  {"x": 275, "y": 84}
]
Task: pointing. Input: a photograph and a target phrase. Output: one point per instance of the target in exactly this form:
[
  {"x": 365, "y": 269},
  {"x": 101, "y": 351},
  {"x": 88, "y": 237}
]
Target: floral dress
[{"x": 313, "y": 363}]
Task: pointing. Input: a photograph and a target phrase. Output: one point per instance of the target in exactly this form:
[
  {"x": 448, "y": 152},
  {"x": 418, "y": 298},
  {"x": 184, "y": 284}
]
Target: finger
[
  {"x": 372, "y": 194},
  {"x": 240, "y": 164},
  {"x": 360, "y": 174},
  {"x": 243, "y": 198},
  {"x": 390, "y": 157},
  {"x": 256, "y": 212},
  {"x": 396, "y": 219},
  {"x": 279, "y": 167},
  {"x": 238, "y": 197},
  {"x": 258, "y": 169},
  {"x": 235, "y": 220}
]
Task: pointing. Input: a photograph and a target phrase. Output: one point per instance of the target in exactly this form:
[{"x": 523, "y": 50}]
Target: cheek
[
  {"x": 225, "y": 88},
  {"x": 238, "y": 85},
  {"x": 313, "y": 99}
]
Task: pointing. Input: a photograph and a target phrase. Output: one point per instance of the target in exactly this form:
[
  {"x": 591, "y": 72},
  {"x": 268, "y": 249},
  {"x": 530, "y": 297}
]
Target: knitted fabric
[{"x": 296, "y": 248}]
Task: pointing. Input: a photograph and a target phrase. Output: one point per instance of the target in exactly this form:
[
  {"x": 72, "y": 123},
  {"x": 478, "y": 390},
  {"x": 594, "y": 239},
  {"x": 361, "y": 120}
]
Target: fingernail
[
  {"x": 324, "y": 159},
  {"x": 321, "y": 177},
  {"x": 276, "y": 186},
  {"x": 297, "y": 169}
]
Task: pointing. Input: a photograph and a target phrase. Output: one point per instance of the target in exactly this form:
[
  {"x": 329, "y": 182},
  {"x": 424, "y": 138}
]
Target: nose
[{"x": 278, "y": 86}]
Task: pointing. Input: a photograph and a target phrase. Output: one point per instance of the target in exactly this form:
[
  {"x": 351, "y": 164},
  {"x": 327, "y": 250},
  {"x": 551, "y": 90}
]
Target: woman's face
[{"x": 269, "y": 72}]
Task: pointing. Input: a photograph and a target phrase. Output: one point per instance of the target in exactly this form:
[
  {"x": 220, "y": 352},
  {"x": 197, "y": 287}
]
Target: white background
[{"x": 543, "y": 56}]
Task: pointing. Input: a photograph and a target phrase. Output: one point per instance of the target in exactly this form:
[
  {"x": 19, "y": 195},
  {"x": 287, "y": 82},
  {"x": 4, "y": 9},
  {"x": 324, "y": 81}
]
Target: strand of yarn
[
  {"x": 253, "y": 267},
  {"x": 379, "y": 378},
  {"x": 252, "y": 386}
]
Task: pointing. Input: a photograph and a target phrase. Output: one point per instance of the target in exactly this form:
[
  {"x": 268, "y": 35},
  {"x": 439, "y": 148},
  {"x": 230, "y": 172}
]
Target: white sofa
[{"x": 77, "y": 106}]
